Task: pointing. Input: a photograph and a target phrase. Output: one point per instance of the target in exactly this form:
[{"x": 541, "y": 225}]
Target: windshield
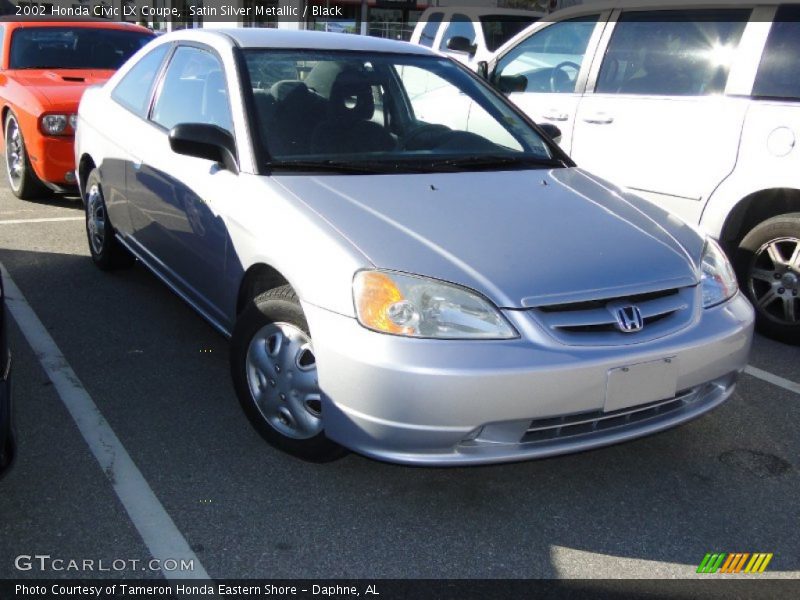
[
  {"x": 360, "y": 112},
  {"x": 498, "y": 29},
  {"x": 73, "y": 47}
]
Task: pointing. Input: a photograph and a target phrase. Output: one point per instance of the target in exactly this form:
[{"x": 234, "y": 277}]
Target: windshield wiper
[
  {"x": 495, "y": 161},
  {"x": 404, "y": 164},
  {"x": 331, "y": 166}
]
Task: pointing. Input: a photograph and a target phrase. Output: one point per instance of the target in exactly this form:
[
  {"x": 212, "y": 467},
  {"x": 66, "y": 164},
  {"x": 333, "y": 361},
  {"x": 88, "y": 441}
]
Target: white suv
[
  {"x": 696, "y": 109},
  {"x": 470, "y": 34}
]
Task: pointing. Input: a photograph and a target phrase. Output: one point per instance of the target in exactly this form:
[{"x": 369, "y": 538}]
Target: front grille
[
  {"x": 598, "y": 422},
  {"x": 594, "y": 322}
]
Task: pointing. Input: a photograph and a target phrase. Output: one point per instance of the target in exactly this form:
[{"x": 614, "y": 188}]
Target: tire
[
  {"x": 768, "y": 267},
  {"x": 22, "y": 179},
  {"x": 107, "y": 253},
  {"x": 274, "y": 373}
]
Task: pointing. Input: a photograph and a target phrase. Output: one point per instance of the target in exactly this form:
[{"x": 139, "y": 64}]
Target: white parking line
[
  {"x": 46, "y": 220},
  {"x": 153, "y": 523},
  {"x": 773, "y": 379}
]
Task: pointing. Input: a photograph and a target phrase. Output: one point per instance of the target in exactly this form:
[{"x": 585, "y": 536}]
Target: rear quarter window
[
  {"x": 133, "y": 91},
  {"x": 778, "y": 73}
]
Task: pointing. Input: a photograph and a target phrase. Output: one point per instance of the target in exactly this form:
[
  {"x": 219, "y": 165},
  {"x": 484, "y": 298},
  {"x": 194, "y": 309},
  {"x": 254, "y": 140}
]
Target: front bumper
[
  {"x": 438, "y": 402},
  {"x": 53, "y": 160}
]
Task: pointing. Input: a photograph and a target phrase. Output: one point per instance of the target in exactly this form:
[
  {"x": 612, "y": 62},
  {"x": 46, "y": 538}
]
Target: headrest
[{"x": 351, "y": 97}]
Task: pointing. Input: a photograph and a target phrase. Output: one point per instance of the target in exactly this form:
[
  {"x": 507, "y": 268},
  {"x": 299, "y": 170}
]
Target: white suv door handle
[
  {"x": 554, "y": 115},
  {"x": 599, "y": 119}
]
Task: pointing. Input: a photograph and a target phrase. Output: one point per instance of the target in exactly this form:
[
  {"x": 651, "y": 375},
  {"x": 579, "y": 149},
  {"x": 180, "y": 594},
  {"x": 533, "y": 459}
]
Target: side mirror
[
  {"x": 512, "y": 83},
  {"x": 483, "y": 70},
  {"x": 459, "y": 43},
  {"x": 553, "y": 132},
  {"x": 202, "y": 140}
]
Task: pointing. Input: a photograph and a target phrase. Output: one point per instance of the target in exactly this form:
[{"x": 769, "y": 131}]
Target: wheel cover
[
  {"x": 774, "y": 280},
  {"x": 96, "y": 218},
  {"x": 15, "y": 154},
  {"x": 282, "y": 377}
]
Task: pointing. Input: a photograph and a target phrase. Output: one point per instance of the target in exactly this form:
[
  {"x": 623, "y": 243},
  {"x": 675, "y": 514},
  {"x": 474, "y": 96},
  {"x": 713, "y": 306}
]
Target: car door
[
  {"x": 771, "y": 130},
  {"x": 656, "y": 117},
  {"x": 175, "y": 199},
  {"x": 545, "y": 73}
]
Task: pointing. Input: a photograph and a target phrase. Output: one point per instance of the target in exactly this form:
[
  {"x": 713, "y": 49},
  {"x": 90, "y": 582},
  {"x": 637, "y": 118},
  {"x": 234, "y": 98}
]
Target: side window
[
  {"x": 672, "y": 53},
  {"x": 549, "y": 60},
  {"x": 193, "y": 91},
  {"x": 428, "y": 33},
  {"x": 460, "y": 26},
  {"x": 777, "y": 75},
  {"x": 133, "y": 90}
]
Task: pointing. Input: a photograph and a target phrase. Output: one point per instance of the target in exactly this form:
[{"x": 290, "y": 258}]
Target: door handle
[
  {"x": 554, "y": 115},
  {"x": 599, "y": 119}
]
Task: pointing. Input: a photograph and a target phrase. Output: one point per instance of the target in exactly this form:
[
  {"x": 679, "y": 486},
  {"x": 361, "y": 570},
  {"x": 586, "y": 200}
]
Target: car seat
[
  {"x": 295, "y": 116},
  {"x": 348, "y": 128}
]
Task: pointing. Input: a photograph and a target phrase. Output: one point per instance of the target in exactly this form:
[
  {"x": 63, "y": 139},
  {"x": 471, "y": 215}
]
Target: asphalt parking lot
[{"x": 158, "y": 374}]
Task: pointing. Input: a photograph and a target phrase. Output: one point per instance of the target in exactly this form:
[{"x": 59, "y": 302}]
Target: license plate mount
[{"x": 641, "y": 383}]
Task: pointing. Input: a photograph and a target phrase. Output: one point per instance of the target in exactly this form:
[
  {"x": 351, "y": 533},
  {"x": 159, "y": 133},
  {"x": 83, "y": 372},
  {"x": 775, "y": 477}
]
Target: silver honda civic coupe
[{"x": 418, "y": 279}]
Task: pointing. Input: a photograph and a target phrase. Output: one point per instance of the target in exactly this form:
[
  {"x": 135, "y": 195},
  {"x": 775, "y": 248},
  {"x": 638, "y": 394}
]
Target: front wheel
[
  {"x": 23, "y": 181},
  {"x": 274, "y": 372},
  {"x": 768, "y": 268},
  {"x": 107, "y": 253}
]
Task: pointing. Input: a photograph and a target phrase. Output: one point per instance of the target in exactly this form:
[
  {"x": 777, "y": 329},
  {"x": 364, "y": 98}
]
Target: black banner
[{"x": 391, "y": 589}]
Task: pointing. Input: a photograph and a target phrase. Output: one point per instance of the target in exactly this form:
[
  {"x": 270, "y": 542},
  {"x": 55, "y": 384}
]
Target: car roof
[{"x": 254, "y": 37}]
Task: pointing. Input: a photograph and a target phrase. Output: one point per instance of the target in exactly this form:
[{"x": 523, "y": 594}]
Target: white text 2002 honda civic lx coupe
[{"x": 414, "y": 291}]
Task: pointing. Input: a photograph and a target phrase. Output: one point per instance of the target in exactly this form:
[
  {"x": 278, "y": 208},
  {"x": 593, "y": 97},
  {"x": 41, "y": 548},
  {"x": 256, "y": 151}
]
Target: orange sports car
[{"x": 44, "y": 69}]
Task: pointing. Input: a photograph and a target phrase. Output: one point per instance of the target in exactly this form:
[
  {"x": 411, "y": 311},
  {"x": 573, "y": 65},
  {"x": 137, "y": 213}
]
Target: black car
[{"x": 7, "y": 447}]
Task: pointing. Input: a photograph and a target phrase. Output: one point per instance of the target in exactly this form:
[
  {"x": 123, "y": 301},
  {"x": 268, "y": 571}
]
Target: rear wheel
[
  {"x": 768, "y": 267},
  {"x": 107, "y": 253},
  {"x": 274, "y": 371},
  {"x": 21, "y": 178}
]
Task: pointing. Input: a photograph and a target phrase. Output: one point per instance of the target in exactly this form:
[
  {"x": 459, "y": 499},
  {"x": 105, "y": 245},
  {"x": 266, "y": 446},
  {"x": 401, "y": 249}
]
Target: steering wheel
[
  {"x": 423, "y": 136},
  {"x": 558, "y": 73}
]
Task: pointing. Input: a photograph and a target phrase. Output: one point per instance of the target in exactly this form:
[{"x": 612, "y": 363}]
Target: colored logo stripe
[
  {"x": 758, "y": 563},
  {"x": 734, "y": 562}
]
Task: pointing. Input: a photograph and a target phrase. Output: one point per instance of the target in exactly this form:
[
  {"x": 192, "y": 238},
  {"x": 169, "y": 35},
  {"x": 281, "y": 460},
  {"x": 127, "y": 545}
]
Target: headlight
[
  {"x": 54, "y": 124},
  {"x": 414, "y": 306},
  {"x": 73, "y": 122},
  {"x": 719, "y": 280}
]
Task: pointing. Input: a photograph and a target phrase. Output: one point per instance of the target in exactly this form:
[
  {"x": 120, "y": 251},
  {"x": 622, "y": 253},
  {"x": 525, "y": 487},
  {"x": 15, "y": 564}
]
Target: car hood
[
  {"x": 60, "y": 86},
  {"x": 522, "y": 238}
]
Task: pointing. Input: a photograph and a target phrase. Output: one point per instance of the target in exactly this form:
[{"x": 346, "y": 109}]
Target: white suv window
[
  {"x": 549, "y": 60},
  {"x": 460, "y": 26},
  {"x": 777, "y": 75},
  {"x": 428, "y": 33},
  {"x": 672, "y": 53}
]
